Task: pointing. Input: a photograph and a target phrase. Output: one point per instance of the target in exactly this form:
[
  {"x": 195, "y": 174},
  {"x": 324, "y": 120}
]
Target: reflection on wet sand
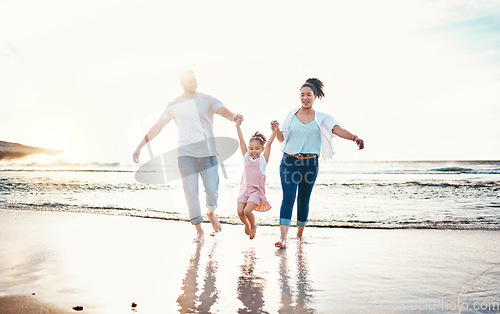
[
  {"x": 188, "y": 301},
  {"x": 250, "y": 286},
  {"x": 302, "y": 295}
]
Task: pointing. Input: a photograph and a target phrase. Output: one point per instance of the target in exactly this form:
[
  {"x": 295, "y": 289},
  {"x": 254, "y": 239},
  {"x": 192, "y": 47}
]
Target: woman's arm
[
  {"x": 243, "y": 146},
  {"x": 153, "y": 132},
  {"x": 275, "y": 126},
  {"x": 343, "y": 133},
  {"x": 267, "y": 152}
]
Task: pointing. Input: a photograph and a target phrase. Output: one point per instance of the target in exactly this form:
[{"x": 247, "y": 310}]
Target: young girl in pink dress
[{"x": 252, "y": 192}]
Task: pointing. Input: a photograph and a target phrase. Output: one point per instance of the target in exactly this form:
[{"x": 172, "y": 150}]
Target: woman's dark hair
[
  {"x": 259, "y": 137},
  {"x": 316, "y": 85}
]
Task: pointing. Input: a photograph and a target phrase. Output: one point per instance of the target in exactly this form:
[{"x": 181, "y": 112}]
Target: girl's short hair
[
  {"x": 316, "y": 85},
  {"x": 259, "y": 137}
]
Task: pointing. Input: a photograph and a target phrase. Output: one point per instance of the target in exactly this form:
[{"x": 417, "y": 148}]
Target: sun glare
[{"x": 53, "y": 140}]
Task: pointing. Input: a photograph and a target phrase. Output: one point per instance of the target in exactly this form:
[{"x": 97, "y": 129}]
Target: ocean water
[{"x": 399, "y": 194}]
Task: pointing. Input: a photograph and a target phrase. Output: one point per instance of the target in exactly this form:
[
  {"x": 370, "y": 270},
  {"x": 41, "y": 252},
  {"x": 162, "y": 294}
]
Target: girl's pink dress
[{"x": 253, "y": 185}]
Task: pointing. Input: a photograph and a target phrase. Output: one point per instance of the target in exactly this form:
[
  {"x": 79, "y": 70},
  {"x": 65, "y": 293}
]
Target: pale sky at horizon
[{"x": 417, "y": 80}]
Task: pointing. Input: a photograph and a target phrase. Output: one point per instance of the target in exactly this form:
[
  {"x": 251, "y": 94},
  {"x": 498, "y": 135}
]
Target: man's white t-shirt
[{"x": 194, "y": 119}]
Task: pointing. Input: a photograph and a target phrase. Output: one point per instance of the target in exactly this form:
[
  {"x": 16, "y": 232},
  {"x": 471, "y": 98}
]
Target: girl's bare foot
[
  {"x": 281, "y": 243},
  {"x": 247, "y": 229},
  {"x": 253, "y": 232},
  {"x": 215, "y": 223}
]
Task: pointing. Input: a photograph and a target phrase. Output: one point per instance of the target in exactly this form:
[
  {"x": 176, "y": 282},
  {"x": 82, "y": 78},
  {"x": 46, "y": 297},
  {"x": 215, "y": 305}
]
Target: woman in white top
[{"x": 307, "y": 134}]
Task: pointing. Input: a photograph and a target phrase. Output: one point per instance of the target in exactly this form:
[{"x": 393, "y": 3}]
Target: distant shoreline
[{"x": 9, "y": 150}]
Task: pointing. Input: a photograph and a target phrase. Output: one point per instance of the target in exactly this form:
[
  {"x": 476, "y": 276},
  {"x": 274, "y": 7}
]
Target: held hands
[
  {"x": 238, "y": 118},
  {"x": 275, "y": 125}
]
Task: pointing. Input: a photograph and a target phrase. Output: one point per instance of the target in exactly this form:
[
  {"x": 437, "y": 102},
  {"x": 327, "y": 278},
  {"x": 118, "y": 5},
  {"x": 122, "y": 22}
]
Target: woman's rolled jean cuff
[
  {"x": 288, "y": 222},
  {"x": 301, "y": 223},
  {"x": 196, "y": 221},
  {"x": 285, "y": 222}
]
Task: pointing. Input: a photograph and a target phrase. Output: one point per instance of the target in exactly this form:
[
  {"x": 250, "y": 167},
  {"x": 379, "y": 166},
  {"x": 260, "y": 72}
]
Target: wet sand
[{"x": 104, "y": 263}]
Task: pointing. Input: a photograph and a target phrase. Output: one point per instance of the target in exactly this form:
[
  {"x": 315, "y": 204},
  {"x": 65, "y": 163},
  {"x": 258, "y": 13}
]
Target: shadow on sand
[
  {"x": 189, "y": 301},
  {"x": 294, "y": 300}
]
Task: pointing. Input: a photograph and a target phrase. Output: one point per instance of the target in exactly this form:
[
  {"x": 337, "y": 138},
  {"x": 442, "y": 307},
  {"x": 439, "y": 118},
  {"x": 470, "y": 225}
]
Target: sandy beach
[{"x": 105, "y": 263}]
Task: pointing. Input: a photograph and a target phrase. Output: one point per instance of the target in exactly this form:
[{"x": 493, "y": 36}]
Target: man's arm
[
  {"x": 226, "y": 113},
  {"x": 153, "y": 132}
]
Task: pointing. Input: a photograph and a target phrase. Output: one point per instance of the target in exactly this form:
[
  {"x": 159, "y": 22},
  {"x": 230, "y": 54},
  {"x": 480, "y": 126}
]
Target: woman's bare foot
[
  {"x": 300, "y": 239},
  {"x": 284, "y": 231},
  {"x": 247, "y": 229},
  {"x": 281, "y": 243},
  {"x": 215, "y": 223},
  {"x": 199, "y": 238},
  {"x": 253, "y": 232}
]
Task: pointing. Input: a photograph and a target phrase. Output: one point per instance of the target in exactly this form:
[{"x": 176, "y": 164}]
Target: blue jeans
[
  {"x": 296, "y": 174},
  {"x": 191, "y": 168}
]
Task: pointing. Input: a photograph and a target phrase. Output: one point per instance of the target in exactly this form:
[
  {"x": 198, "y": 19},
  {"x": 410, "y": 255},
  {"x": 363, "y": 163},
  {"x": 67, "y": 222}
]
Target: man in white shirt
[{"x": 193, "y": 114}]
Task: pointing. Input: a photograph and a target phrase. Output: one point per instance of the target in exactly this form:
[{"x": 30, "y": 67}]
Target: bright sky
[{"x": 415, "y": 79}]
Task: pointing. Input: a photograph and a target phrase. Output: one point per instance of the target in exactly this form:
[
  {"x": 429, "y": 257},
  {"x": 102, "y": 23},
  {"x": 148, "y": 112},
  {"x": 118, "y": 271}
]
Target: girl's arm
[
  {"x": 267, "y": 152},
  {"x": 343, "y": 133},
  {"x": 243, "y": 146}
]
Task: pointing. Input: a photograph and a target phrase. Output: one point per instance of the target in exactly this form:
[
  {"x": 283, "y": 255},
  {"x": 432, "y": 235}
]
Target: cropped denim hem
[
  {"x": 196, "y": 221},
  {"x": 285, "y": 222},
  {"x": 301, "y": 223}
]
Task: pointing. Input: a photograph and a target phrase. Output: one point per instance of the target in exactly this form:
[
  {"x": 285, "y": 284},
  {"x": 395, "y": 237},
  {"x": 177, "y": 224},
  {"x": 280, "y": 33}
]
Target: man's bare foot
[
  {"x": 247, "y": 229},
  {"x": 281, "y": 243},
  {"x": 215, "y": 223},
  {"x": 199, "y": 238},
  {"x": 253, "y": 232}
]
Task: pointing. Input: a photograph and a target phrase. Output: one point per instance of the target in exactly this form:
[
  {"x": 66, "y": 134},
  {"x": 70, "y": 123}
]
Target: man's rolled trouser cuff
[
  {"x": 301, "y": 223},
  {"x": 285, "y": 222},
  {"x": 211, "y": 208},
  {"x": 196, "y": 221}
]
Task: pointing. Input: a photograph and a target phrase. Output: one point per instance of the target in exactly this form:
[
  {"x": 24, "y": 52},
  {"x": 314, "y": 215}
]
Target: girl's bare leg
[
  {"x": 251, "y": 218},
  {"x": 244, "y": 220},
  {"x": 284, "y": 232}
]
